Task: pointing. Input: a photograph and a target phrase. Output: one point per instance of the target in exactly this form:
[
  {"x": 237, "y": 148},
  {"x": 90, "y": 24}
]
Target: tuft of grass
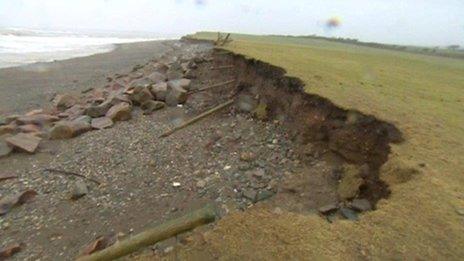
[{"x": 424, "y": 97}]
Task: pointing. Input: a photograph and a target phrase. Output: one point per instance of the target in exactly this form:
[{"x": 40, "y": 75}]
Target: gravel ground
[{"x": 229, "y": 159}]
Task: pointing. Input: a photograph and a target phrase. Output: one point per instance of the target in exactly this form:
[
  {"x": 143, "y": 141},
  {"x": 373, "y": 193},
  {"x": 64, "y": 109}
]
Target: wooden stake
[
  {"x": 212, "y": 87},
  {"x": 197, "y": 118},
  {"x": 154, "y": 235}
]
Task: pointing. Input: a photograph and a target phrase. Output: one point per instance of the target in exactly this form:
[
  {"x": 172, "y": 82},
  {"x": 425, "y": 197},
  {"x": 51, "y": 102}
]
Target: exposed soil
[{"x": 288, "y": 152}]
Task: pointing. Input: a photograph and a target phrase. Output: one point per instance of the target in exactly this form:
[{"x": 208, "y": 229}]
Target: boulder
[
  {"x": 157, "y": 77},
  {"x": 159, "y": 90},
  {"x": 161, "y": 67},
  {"x": 69, "y": 129},
  {"x": 141, "y": 94},
  {"x": 24, "y": 142},
  {"x": 143, "y": 82},
  {"x": 5, "y": 149},
  {"x": 174, "y": 74},
  {"x": 96, "y": 111},
  {"x": 7, "y": 129},
  {"x": 102, "y": 123},
  {"x": 38, "y": 119},
  {"x": 150, "y": 106},
  {"x": 182, "y": 83},
  {"x": 73, "y": 112},
  {"x": 175, "y": 95},
  {"x": 29, "y": 128},
  {"x": 65, "y": 101},
  {"x": 120, "y": 112}
]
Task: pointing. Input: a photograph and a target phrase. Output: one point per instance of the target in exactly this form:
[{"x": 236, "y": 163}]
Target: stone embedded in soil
[
  {"x": 150, "y": 106},
  {"x": 159, "y": 90},
  {"x": 261, "y": 111},
  {"x": 39, "y": 119},
  {"x": 263, "y": 195},
  {"x": 157, "y": 77},
  {"x": 174, "y": 74},
  {"x": 250, "y": 194},
  {"x": 328, "y": 208},
  {"x": 9, "y": 119},
  {"x": 201, "y": 184},
  {"x": 361, "y": 205},
  {"x": 102, "y": 123},
  {"x": 349, "y": 213},
  {"x": 25, "y": 142},
  {"x": 2, "y": 121},
  {"x": 247, "y": 156},
  {"x": 175, "y": 95},
  {"x": 79, "y": 190},
  {"x": 120, "y": 112},
  {"x": 65, "y": 101},
  {"x": 246, "y": 103}
]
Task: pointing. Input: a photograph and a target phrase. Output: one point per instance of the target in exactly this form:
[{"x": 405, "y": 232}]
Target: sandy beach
[{"x": 30, "y": 87}]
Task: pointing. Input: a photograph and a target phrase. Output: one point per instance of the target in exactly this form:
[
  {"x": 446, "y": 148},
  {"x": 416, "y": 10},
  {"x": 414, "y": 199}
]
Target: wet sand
[{"x": 30, "y": 87}]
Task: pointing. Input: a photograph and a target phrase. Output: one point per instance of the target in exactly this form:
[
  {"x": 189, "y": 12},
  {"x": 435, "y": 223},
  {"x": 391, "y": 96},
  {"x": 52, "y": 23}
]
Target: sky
[{"x": 414, "y": 22}]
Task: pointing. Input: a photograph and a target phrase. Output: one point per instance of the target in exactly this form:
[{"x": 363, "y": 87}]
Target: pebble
[
  {"x": 80, "y": 189},
  {"x": 250, "y": 194},
  {"x": 349, "y": 213},
  {"x": 176, "y": 184}
]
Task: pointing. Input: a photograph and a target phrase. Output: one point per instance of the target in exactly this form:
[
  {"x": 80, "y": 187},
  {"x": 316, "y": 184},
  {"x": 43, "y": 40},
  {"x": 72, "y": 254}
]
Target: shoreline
[{"x": 31, "y": 86}]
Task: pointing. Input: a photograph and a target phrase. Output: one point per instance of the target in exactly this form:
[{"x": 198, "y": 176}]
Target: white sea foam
[{"x": 25, "y": 46}]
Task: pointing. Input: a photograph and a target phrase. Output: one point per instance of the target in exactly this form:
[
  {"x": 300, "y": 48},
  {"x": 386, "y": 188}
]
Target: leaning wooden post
[
  {"x": 197, "y": 118},
  {"x": 153, "y": 235}
]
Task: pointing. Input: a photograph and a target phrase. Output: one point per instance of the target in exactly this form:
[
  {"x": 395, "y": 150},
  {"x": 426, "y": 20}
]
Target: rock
[
  {"x": 247, "y": 156},
  {"x": 29, "y": 128},
  {"x": 118, "y": 98},
  {"x": 174, "y": 74},
  {"x": 120, "y": 112},
  {"x": 326, "y": 209},
  {"x": 84, "y": 118},
  {"x": 7, "y": 129},
  {"x": 79, "y": 190},
  {"x": 246, "y": 103},
  {"x": 349, "y": 213},
  {"x": 361, "y": 205},
  {"x": 157, "y": 77},
  {"x": 460, "y": 211},
  {"x": 175, "y": 95},
  {"x": 161, "y": 67},
  {"x": 9, "y": 119},
  {"x": 141, "y": 95},
  {"x": 34, "y": 112},
  {"x": 250, "y": 194},
  {"x": 24, "y": 142},
  {"x": 190, "y": 74},
  {"x": 69, "y": 129},
  {"x": 65, "y": 101},
  {"x": 159, "y": 90},
  {"x": 258, "y": 173},
  {"x": 38, "y": 119},
  {"x": 74, "y": 111},
  {"x": 263, "y": 195},
  {"x": 201, "y": 184},
  {"x": 2, "y": 121},
  {"x": 150, "y": 106},
  {"x": 97, "y": 111},
  {"x": 261, "y": 111},
  {"x": 350, "y": 183},
  {"x": 101, "y": 123},
  {"x": 142, "y": 82},
  {"x": 182, "y": 83},
  {"x": 5, "y": 149}
]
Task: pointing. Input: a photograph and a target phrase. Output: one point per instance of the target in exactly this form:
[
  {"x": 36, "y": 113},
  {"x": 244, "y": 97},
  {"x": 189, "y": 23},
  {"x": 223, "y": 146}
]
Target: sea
[{"x": 22, "y": 46}]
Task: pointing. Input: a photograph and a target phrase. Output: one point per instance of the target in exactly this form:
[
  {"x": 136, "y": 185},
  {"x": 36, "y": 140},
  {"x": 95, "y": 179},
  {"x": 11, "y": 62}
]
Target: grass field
[{"x": 424, "y": 97}]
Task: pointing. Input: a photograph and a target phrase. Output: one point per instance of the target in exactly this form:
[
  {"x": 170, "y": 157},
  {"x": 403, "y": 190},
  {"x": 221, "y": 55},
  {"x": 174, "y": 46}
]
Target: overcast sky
[{"x": 419, "y": 22}]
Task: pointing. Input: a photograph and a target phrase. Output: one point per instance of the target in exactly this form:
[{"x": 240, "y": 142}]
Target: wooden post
[{"x": 153, "y": 235}]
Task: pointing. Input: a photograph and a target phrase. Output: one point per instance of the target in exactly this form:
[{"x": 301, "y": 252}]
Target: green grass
[{"x": 424, "y": 97}]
